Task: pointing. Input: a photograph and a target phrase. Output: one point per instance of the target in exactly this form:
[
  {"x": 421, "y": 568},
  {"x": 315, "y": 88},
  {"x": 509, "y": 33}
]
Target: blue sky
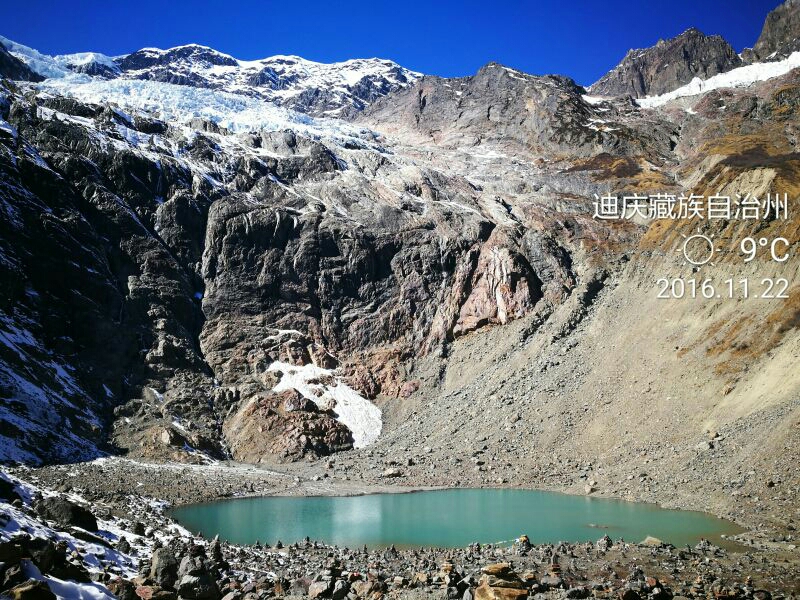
[{"x": 581, "y": 38}]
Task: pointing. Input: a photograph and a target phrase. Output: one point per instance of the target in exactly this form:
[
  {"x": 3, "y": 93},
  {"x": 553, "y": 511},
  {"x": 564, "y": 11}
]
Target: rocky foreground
[{"x": 103, "y": 541}]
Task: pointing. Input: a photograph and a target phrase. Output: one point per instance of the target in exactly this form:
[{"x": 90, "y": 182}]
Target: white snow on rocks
[
  {"x": 47, "y": 394},
  {"x": 96, "y": 557},
  {"x": 274, "y": 77},
  {"x": 358, "y": 414},
  {"x": 593, "y": 100},
  {"x": 740, "y": 77},
  {"x": 180, "y": 104},
  {"x": 272, "y": 80}
]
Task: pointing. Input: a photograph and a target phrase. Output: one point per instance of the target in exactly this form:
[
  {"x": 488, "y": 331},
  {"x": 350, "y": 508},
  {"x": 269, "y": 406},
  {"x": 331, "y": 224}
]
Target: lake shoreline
[
  {"x": 228, "y": 480},
  {"x": 125, "y": 492}
]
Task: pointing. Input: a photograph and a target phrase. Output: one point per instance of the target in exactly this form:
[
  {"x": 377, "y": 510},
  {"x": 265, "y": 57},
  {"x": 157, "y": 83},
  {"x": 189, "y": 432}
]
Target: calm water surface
[{"x": 447, "y": 518}]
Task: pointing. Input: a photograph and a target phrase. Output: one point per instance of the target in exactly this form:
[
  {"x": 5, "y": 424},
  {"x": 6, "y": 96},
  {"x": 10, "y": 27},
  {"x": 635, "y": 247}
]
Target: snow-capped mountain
[{"x": 334, "y": 89}]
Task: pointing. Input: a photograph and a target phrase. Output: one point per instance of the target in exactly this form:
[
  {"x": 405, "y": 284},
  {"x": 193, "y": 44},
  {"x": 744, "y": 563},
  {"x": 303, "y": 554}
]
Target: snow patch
[
  {"x": 358, "y": 414},
  {"x": 594, "y": 99},
  {"x": 740, "y": 77}
]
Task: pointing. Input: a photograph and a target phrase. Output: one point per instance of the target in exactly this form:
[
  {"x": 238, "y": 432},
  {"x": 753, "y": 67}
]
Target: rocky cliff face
[
  {"x": 14, "y": 69},
  {"x": 522, "y": 114},
  {"x": 668, "y": 65},
  {"x": 220, "y": 267},
  {"x": 780, "y": 35}
]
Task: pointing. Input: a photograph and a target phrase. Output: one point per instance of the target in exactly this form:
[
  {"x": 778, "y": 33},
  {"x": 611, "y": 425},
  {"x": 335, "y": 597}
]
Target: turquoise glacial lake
[{"x": 446, "y": 518}]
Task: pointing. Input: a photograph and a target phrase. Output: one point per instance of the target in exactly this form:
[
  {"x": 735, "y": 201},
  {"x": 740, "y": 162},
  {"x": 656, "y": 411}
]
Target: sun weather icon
[{"x": 698, "y": 249}]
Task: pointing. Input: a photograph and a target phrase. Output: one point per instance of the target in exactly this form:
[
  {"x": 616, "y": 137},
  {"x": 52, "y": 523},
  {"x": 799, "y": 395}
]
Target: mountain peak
[
  {"x": 780, "y": 35},
  {"x": 195, "y": 53},
  {"x": 668, "y": 65}
]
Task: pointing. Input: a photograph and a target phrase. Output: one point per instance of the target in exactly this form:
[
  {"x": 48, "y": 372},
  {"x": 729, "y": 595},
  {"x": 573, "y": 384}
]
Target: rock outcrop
[
  {"x": 208, "y": 265},
  {"x": 780, "y": 35},
  {"x": 13, "y": 68},
  {"x": 66, "y": 513},
  {"x": 668, "y": 65},
  {"x": 284, "y": 427}
]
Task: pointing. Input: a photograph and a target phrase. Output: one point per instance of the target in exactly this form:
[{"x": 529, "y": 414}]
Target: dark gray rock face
[
  {"x": 200, "y": 55},
  {"x": 8, "y": 491},
  {"x": 510, "y": 110},
  {"x": 96, "y": 69},
  {"x": 780, "y": 35},
  {"x": 164, "y": 567},
  {"x": 167, "y": 286},
  {"x": 82, "y": 263},
  {"x": 13, "y": 68},
  {"x": 196, "y": 579},
  {"x": 668, "y": 65},
  {"x": 66, "y": 513}
]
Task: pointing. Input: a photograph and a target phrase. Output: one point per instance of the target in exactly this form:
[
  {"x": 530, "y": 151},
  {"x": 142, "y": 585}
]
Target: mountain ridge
[
  {"x": 346, "y": 88},
  {"x": 317, "y": 89},
  {"x": 668, "y": 65}
]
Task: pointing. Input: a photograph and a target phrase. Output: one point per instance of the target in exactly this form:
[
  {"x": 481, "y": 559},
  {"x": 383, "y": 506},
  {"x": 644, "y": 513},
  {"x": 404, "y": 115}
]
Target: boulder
[
  {"x": 294, "y": 402},
  {"x": 153, "y": 592},
  {"x": 51, "y": 559},
  {"x": 340, "y": 589},
  {"x": 362, "y": 589},
  {"x": 13, "y": 575},
  {"x": 500, "y": 575},
  {"x": 191, "y": 565},
  {"x": 198, "y": 587},
  {"x": 10, "y": 552},
  {"x": 319, "y": 589},
  {"x": 163, "y": 567},
  {"x": 285, "y": 426},
  {"x": 170, "y": 437},
  {"x": 651, "y": 541},
  {"x": 66, "y": 513},
  {"x": 8, "y": 491},
  {"x": 552, "y": 581},
  {"x": 30, "y": 590},
  {"x": 485, "y": 592},
  {"x": 500, "y": 582},
  {"x": 122, "y": 589}
]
